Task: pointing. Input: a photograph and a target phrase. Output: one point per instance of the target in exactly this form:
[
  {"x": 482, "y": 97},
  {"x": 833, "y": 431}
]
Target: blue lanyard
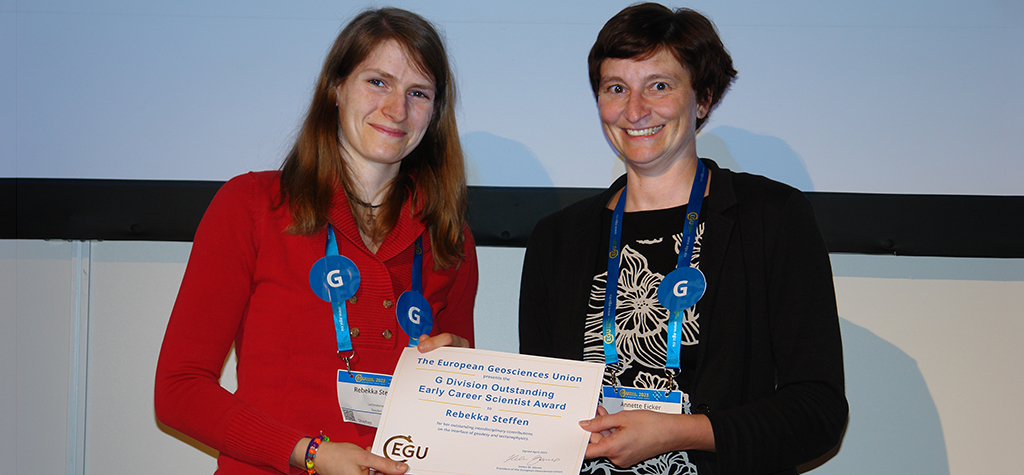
[
  {"x": 417, "y": 266},
  {"x": 675, "y": 321},
  {"x": 338, "y": 303},
  {"x": 339, "y": 295},
  {"x": 413, "y": 309}
]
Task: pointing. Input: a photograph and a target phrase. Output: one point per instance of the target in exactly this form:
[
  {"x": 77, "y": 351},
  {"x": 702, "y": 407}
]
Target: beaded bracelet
[{"x": 314, "y": 445}]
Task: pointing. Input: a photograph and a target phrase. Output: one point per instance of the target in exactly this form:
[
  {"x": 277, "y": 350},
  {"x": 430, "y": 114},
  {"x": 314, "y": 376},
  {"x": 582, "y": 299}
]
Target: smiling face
[
  {"x": 384, "y": 108},
  {"x": 648, "y": 110}
]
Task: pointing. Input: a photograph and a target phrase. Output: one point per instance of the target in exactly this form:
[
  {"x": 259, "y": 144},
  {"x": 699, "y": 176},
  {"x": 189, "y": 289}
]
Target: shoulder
[
  {"x": 748, "y": 186},
  {"x": 579, "y": 216},
  {"x": 261, "y": 182},
  {"x": 244, "y": 198},
  {"x": 753, "y": 193},
  {"x": 253, "y": 191}
]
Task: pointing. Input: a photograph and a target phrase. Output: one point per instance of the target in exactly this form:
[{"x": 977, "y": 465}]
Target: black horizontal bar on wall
[{"x": 164, "y": 210}]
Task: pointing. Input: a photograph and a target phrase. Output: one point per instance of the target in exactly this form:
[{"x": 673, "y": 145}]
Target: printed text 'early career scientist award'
[{"x": 466, "y": 411}]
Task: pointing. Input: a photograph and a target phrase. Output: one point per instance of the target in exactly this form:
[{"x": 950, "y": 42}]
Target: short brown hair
[
  {"x": 640, "y": 31},
  {"x": 433, "y": 173}
]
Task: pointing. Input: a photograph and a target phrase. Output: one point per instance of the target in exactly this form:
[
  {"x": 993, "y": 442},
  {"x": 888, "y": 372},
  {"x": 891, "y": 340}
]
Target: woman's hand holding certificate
[{"x": 458, "y": 410}]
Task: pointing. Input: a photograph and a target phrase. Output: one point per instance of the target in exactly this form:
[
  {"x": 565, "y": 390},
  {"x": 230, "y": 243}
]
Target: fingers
[
  {"x": 383, "y": 465},
  {"x": 639, "y": 435},
  {"x": 428, "y": 343},
  {"x": 597, "y": 434},
  {"x": 603, "y": 422},
  {"x": 625, "y": 437},
  {"x": 602, "y": 444},
  {"x": 348, "y": 459}
]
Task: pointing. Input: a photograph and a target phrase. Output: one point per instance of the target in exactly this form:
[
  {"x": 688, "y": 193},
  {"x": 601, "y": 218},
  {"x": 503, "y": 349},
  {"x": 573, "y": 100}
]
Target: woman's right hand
[{"x": 333, "y": 458}]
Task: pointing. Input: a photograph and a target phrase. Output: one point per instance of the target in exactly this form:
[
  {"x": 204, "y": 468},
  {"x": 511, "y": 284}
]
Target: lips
[
  {"x": 643, "y": 132},
  {"x": 388, "y": 131}
]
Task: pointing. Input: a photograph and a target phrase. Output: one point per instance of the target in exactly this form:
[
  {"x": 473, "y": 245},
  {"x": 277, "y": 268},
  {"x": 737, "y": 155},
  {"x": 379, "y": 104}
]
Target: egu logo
[
  {"x": 402, "y": 446},
  {"x": 608, "y": 337}
]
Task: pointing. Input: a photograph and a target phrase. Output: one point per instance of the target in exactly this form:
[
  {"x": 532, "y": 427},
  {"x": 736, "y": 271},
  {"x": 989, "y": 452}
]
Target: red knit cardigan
[{"x": 247, "y": 285}]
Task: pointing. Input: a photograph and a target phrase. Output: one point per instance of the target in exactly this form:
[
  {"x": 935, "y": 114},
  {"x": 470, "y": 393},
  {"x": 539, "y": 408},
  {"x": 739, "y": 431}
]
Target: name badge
[
  {"x": 361, "y": 396},
  {"x": 619, "y": 398}
]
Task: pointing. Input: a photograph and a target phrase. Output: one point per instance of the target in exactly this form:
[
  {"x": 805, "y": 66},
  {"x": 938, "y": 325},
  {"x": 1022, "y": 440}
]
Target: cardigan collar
[{"x": 399, "y": 239}]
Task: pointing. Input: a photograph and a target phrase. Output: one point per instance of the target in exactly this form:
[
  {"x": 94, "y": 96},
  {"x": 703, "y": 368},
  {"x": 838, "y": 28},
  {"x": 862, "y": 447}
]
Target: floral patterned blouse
[{"x": 650, "y": 248}]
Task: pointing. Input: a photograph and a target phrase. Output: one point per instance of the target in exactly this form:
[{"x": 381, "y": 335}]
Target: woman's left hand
[
  {"x": 629, "y": 437},
  {"x": 428, "y": 342}
]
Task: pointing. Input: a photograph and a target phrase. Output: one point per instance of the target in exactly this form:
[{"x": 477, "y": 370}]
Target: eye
[
  {"x": 660, "y": 86},
  {"x": 616, "y": 89},
  {"x": 419, "y": 94},
  {"x": 376, "y": 82}
]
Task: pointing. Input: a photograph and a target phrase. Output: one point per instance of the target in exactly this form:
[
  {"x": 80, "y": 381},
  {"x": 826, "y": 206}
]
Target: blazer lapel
[{"x": 719, "y": 225}]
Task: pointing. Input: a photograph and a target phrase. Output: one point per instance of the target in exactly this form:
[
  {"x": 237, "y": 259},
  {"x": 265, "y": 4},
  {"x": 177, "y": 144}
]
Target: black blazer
[{"x": 770, "y": 365}]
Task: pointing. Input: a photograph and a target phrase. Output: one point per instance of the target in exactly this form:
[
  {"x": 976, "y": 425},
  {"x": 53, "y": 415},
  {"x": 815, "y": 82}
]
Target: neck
[
  {"x": 371, "y": 181},
  {"x": 662, "y": 189}
]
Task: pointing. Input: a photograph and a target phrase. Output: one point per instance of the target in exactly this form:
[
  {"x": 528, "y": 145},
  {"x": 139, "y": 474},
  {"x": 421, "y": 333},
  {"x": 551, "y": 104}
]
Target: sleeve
[
  {"x": 535, "y": 313},
  {"x": 806, "y": 415},
  {"x": 457, "y": 317},
  {"x": 207, "y": 315}
]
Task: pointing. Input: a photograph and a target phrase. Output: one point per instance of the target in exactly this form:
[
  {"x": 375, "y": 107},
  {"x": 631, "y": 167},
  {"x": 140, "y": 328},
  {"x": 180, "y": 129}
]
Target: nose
[
  {"x": 394, "y": 106},
  {"x": 636, "y": 107}
]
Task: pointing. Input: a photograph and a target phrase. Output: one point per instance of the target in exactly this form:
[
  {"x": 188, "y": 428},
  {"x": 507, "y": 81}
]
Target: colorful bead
[{"x": 314, "y": 445}]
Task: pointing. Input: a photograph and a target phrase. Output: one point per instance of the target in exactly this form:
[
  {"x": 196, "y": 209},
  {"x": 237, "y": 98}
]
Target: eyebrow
[
  {"x": 652, "y": 77},
  {"x": 392, "y": 77}
]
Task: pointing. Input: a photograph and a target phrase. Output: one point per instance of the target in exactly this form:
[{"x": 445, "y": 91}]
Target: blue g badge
[
  {"x": 414, "y": 315},
  {"x": 336, "y": 275},
  {"x": 681, "y": 289}
]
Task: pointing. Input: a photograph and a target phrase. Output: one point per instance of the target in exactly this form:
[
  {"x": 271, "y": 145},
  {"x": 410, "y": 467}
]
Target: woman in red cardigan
[{"x": 326, "y": 270}]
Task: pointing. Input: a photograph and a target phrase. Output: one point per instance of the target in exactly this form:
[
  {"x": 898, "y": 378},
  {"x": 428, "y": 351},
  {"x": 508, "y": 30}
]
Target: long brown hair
[{"x": 433, "y": 174}]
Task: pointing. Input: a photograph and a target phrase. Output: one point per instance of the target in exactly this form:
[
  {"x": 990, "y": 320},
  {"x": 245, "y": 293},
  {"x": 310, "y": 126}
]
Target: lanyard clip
[
  {"x": 614, "y": 370},
  {"x": 347, "y": 356},
  {"x": 673, "y": 385}
]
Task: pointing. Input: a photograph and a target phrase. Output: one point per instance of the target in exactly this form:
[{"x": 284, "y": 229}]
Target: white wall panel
[
  {"x": 931, "y": 347},
  {"x": 36, "y": 316}
]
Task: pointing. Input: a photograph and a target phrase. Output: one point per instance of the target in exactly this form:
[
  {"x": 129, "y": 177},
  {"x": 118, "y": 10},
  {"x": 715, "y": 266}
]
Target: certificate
[{"x": 466, "y": 411}]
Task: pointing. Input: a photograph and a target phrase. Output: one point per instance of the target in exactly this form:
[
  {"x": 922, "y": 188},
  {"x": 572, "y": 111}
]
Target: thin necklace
[
  {"x": 363, "y": 203},
  {"x": 370, "y": 208}
]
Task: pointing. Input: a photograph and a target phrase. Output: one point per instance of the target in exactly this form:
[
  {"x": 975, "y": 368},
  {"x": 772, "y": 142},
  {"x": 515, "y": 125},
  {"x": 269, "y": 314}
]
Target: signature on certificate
[{"x": 529, "y": 460}]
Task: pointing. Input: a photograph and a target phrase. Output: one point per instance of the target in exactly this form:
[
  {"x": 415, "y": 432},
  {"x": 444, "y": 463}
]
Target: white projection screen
[{"x": 900, "y": 96}]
